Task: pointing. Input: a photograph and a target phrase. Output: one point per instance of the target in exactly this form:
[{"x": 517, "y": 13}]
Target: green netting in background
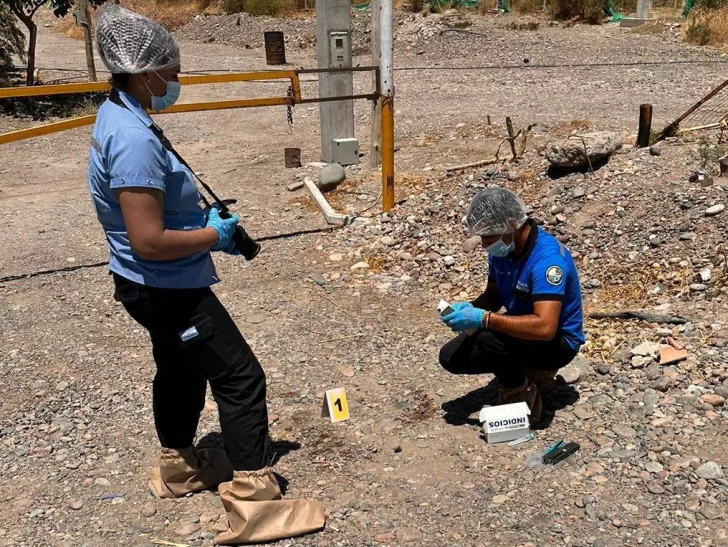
[{"x": 611, "y": 11}]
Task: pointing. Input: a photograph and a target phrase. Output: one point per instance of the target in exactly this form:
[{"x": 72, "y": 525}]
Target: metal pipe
[{"x": 386, "y": 67}]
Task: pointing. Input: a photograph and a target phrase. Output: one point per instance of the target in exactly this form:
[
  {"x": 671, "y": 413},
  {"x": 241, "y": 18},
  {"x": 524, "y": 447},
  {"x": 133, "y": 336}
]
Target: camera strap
[{"x": 116, "y": 99}]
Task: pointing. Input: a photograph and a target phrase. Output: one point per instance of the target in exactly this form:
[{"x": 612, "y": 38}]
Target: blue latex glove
[
  {"x": 465, "y": 318},
  {"x": 457, "y": 306},
  {"x": 225, "y": 228}
]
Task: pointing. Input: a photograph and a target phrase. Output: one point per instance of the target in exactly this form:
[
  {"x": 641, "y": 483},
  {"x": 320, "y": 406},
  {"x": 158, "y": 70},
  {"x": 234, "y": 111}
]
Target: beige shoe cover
[
  {"x": 256, "y": 513},
  {"x": 189, "y": 470}
]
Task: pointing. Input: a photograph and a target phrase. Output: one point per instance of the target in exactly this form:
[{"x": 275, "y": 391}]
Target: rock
[
  {"x": 654, "y": 467},
  {"x": 712, "y": 512},
  {"x": 646, "y": 349},
  {"x": 499, "y": 499},
  {"x": 187, "y": 529},
  {"x": 603, "y": 368},
  {"x": 655, "y": 150},
  {"x": 100, "y": 481},
  {"x": 76, "y": 505},
  {"x": 360, "y": 266},
  {"x": 573, "y": 372},
  {"x": 318, "y": 279},
  {"x": 62, "y": 386},
  {"x": 220, "y": 526},
  {"x": 709, "y": 470},
  {"x": 449, "y": 261},
  {"x": 698, "y": 287},
  {"x": 624, "y": 431},
  {"x": 579, "y": 193},
  {"x": 714, "y": 210},
  {"x": 294, "y": 186},
  {"x": 331, "y": 176},
  {"x": 148, "y": 510},
  {"x": 662, "y": 384},
  {"x": 655, "y": 487},
  {"x": 571, "y": 153},
  {"x": 410, "y": 535},
  {"x": 705, "y": 275},
  {"x": 471, "y": 244},
  {"x": 336, "y": 257},
  {"x": 347, "y": 371},
  {"x": 712, "y": 399}
]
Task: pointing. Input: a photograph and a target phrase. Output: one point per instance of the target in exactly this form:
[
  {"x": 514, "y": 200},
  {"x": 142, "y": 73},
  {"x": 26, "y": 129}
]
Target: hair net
[
  {"x": 495, "y": 211},
  {"x": 129, "y": 43}
]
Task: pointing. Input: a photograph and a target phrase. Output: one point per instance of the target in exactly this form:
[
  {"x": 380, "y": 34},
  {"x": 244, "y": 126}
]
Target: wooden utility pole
[
  {"x": 386, "y": 65},
  {"x": 645, "y": 128},
  {"x": 84, "y": 20},
  {"x": 375, "y": 155}
]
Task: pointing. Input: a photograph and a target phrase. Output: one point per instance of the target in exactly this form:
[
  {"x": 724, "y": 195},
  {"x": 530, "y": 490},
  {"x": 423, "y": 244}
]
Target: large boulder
[
  {"x": 572, "y": 153},
  {"x": 331, "y": 176}
]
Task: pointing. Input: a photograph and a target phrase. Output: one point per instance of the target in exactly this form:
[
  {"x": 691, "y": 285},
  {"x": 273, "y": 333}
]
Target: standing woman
[{"x": 160, "y": 241}]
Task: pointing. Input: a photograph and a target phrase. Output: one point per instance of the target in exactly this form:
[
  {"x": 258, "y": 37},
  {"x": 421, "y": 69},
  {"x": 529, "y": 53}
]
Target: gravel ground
[{"x": 354, "y": 308}]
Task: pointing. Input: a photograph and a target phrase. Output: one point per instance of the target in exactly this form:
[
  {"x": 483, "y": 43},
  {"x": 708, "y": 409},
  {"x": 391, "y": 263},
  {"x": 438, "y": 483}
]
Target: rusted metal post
[
  {"x": 643, "y": 136},
  {"x": 386, "y": 65}
]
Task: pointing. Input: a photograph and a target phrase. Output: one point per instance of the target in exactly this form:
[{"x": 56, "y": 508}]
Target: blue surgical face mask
[
  {"x": 500, "y": 249},
  {"x": 170, "y": 97}
]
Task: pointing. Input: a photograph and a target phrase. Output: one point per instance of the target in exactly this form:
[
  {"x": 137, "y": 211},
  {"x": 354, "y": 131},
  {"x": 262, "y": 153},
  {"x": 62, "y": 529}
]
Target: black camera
[{"x": 247, "y": 246}]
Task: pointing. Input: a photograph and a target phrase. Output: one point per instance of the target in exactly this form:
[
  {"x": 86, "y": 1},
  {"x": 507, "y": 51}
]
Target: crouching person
[{"x": 533, "y": 276}]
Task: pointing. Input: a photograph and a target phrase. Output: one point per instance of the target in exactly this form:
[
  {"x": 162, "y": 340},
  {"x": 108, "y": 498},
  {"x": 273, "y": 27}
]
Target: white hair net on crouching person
[
  {"x": 495, "y": 211},
  {"x": 129, "y": 43}
]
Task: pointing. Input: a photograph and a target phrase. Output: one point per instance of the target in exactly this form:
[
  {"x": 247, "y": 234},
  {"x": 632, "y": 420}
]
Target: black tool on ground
[
  {"x": 247, "y": 246},
  {"x": 560, "y": 453}
]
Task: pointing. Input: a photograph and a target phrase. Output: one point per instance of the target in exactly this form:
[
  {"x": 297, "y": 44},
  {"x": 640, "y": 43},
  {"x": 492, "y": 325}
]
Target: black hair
[{"x": 121, "y": 80}]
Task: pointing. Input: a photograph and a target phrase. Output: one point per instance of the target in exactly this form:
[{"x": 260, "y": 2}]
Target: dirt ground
[{"x": 409, "y": 468}]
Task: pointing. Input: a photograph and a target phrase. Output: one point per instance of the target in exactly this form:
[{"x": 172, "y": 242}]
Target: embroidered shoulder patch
[{"x": 554, "y": 275}]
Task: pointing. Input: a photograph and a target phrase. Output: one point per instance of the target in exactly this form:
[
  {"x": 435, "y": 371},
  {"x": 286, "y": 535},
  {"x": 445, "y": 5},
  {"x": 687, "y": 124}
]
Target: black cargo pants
[{"x": 195, "y": 341}]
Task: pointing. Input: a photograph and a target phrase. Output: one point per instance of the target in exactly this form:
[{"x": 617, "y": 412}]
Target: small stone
[
  {"x": 654, "y": 467},
  {"x": 187, "y": 529},
  {"x": 331, "y": 176},
  {"x": 360, "y": 266},
  {"x": 655, "y": 487},
  {"x": 449, "y": 261},
  {"x": 573, "y": 372},
  {"x": 499, "y": 499},
  {"x": 209, "y": 517},
  {"x": 346, "y": 371},
  {"x": 101, "y": 481},
  {"x": 624, "y": 431},
  {"x": 712, "y": 399},
  {"x": 655, "y": 150},
  {"x": 709, "y": 471},
  {"x": 318, "y": 279},
  {"x": 603, "y": 368},
  {"x": 646, "y": 349},
  {"x": 560, "y": 219},
  {"x": 579, "y": 192},
  {"x": 662, "y": 384},
  {"x": 698, "y": 287},
  {"x": 705, "y": 275},
  {"x": 712, "y": 512},
  {"x": 62, "y": 386},
  {"x": 471, "y": 244},
  {"x": 148, "y": 510},
  {"x": 715, "y": 210},
  {"x": 76, "y": 505},
  {"x": 220, "y": 526},
  {"x": 337, "y": 257}
]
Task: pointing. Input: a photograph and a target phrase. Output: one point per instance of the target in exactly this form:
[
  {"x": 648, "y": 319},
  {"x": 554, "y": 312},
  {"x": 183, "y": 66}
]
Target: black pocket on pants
[
  {"x": 199, "y": 330},
  {"x": 125, "y": 291}
]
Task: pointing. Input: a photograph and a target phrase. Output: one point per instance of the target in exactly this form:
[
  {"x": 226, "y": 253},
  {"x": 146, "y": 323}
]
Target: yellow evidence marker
[{"x": 336, "y": 407}]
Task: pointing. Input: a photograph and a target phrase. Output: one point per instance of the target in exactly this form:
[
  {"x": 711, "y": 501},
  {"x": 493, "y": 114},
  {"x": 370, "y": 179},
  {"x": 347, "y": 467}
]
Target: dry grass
[
  {"x": 707, "y": 27},
  {"x": 172, "y": 14},
  {"x": 567, "y": 128},
  {"x": 524, "y": 6}
]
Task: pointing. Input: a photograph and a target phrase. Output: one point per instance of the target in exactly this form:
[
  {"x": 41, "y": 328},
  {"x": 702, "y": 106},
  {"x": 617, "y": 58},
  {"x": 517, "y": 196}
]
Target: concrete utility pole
[
  {"x": 333, "y": 38},
  {"x": 641, "y": 17},
  {"x": 375, "y": 154},
  {"x": 83, "y": 19},
  {"x": 386, "y": 65}
]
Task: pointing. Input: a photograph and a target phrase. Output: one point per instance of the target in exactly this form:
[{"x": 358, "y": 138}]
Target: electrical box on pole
[{"x": 333, "y": 38}]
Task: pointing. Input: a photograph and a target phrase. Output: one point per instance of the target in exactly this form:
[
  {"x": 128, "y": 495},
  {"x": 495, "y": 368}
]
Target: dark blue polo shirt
[{"x": 544, "y": 270}]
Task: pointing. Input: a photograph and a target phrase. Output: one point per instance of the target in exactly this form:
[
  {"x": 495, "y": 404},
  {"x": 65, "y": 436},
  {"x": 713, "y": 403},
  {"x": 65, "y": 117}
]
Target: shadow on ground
[{"x": 557, "y": 396}]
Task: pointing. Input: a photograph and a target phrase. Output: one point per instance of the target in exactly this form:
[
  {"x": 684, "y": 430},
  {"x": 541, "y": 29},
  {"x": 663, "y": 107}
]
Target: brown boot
[
  {"x": 527, "y": 393},
  {"x": 189, "y": 470},
  {"x": 542, "y": 378},
  {"x": 256, "y": 513}
]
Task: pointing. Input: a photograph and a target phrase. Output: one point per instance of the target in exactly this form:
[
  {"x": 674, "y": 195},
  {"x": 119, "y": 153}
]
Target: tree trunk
[
  {"x": 27, "y": 20},
  {"x": 32, "y": 39}
]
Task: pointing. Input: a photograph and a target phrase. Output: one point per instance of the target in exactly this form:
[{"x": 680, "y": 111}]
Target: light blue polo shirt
[{"x": 126, "y": 154}]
